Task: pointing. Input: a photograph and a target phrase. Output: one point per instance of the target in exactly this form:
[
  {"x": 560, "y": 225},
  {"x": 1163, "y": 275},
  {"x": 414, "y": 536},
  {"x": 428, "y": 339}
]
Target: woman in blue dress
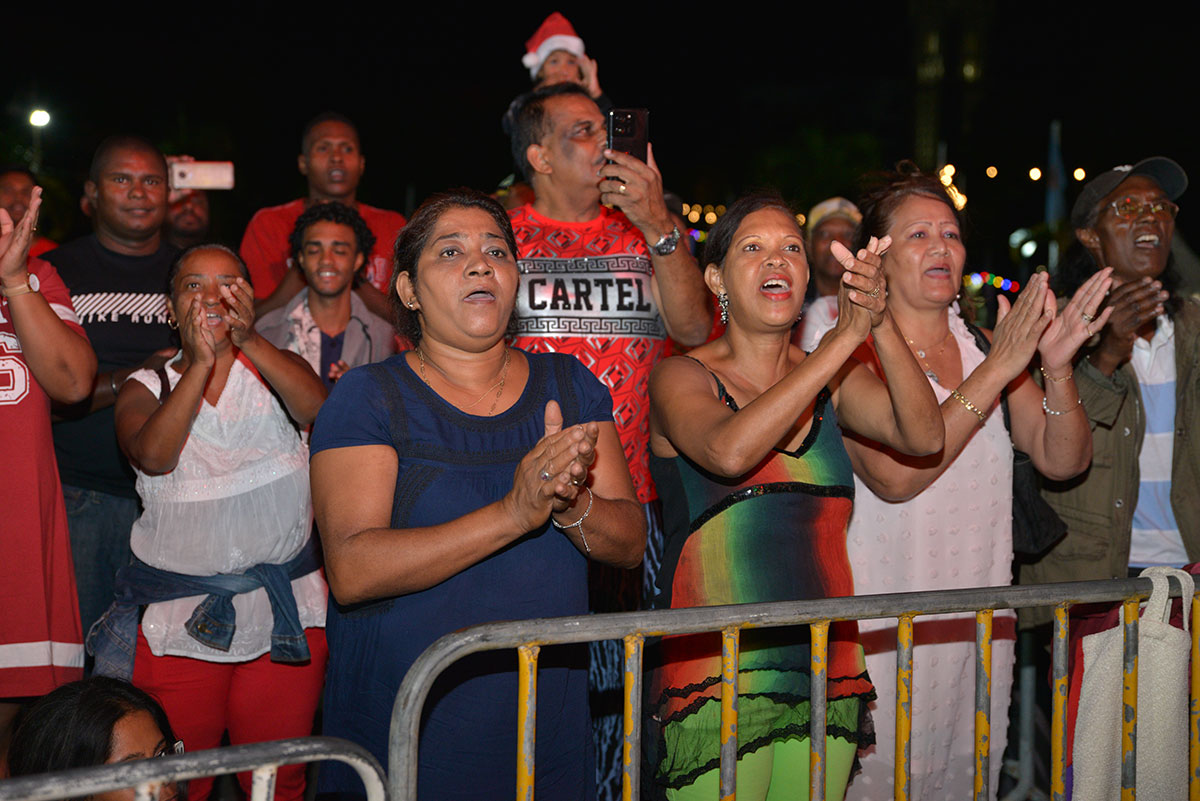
[{"x": 460, "y": 483}]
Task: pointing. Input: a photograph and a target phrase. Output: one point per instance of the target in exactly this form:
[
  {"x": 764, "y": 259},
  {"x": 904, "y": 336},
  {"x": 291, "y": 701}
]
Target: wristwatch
[
  {"x": 31, "y": 284},
  {"x": 666, "y": 245}
]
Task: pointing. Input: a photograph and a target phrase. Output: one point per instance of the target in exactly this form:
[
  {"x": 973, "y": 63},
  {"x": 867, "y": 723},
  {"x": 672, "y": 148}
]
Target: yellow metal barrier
[{"x": 527, "y": 636}]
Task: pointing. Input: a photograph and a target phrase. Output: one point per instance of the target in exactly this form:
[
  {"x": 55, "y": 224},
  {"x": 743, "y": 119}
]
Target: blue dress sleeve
[
  {"x": 355, "y": 413},
  {"x": 595, "y": 401}
]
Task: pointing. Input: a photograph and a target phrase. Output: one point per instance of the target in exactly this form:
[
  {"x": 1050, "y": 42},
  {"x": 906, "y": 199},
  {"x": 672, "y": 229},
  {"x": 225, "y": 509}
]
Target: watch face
[{"x": 34, "y": 283}]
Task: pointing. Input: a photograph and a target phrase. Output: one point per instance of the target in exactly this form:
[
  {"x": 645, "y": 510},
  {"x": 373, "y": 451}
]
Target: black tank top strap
[{"x": 722, "y": 393}]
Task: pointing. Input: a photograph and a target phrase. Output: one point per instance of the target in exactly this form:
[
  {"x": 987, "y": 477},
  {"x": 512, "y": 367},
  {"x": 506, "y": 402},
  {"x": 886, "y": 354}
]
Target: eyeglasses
[
  {"x": 170, "y": 750},
  {"x": 1128, "y": 208}
]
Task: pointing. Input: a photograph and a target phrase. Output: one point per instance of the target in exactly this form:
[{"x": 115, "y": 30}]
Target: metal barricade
[
  {"x": 528, "y": 636},
  {"x": 148, "y": 775}
]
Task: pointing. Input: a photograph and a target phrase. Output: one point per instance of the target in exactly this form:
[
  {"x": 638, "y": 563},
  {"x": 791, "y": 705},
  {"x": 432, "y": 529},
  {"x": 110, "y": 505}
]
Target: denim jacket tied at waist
[{"x": 112, "y": 640}]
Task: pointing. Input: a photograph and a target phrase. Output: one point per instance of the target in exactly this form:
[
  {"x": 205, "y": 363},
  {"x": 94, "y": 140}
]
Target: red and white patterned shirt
[{"x": 585, "y": 291}]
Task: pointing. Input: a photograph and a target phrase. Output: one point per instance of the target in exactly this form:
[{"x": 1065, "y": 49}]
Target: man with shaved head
[{"x": 117, "y": 276}]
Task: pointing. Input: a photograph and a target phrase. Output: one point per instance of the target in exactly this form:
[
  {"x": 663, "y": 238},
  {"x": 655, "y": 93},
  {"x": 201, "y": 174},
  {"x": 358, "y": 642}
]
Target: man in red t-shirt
[
  {"x": 607, "y": 285},
  {"x": 332, "y": 161}
]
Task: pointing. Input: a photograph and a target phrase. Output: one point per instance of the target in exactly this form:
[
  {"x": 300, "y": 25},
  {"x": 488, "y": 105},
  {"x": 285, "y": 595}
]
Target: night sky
[{"x": 805, "y": 100}]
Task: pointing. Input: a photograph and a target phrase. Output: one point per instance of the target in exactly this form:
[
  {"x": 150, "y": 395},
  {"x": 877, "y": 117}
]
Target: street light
[{"x": 39, "y": 118}]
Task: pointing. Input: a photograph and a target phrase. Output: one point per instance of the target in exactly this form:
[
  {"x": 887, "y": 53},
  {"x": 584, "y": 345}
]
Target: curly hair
[
  {"x": 885, "y": 192},
  {"x": 414, "y": 236},
  {"x": 335, "y": 213}
]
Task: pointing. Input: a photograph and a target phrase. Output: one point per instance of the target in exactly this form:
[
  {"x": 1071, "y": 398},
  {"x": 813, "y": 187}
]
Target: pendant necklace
[{"x": 921, "y": 354}]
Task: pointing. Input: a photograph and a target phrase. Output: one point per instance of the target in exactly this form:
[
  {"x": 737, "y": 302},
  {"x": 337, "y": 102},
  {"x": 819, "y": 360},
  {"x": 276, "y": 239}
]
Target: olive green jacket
[{"x": 1098, "y": 504}]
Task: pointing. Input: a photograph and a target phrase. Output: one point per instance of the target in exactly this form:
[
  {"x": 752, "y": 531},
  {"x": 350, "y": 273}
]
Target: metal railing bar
[
  {"x": 730, "y": 642},
  {"x": 983, "y": 703},
  {"x": 904, "y": 677},
  {"x": 1129, "y": 702},
  {"x": 631, "y": 756},
  {"x": 818, "y": 672},
  {"x": 1059, "y": 651},
  {"x": 79, "y": 782},
  {"x": 414, "y": 689}
]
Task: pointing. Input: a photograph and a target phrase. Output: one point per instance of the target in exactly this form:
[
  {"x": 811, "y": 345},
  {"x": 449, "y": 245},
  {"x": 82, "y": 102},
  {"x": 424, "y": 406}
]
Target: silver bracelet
[
  {"x": 1052, "y": 413},
  {"x": 579, "y": 523}
]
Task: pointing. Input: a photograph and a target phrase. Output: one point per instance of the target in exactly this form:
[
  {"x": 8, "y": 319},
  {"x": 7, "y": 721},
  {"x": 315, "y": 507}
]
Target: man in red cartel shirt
[{"x": 331, "y": 159}]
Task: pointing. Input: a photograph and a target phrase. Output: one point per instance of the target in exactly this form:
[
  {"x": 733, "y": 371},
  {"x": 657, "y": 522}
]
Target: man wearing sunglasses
[{"x": 1138, "y": 504}]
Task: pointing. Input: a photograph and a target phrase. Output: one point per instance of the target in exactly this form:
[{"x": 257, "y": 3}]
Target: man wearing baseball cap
[
  {"x": 832, "y": 220},
  {"x": 1137, "y": 505}
]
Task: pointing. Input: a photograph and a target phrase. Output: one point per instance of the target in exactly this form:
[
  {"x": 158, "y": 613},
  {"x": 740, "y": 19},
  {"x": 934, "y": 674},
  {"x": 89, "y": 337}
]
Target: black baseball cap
[{"x": 1166, "y": 173}]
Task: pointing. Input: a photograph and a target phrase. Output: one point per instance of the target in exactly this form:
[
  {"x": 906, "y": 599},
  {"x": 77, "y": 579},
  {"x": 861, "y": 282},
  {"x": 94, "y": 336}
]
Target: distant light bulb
[
  {"x": 1035, "y": 174},
  {"x": 39, "y": 118}
]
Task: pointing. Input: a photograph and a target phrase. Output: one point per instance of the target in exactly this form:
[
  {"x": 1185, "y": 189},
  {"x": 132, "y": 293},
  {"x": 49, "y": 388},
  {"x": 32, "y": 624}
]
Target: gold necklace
[{"x": 498, "y": 386}]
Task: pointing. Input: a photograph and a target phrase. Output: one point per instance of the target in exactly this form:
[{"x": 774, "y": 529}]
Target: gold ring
[
  {"x": 1087, "y": 317},
  {"x": 874, "y": 293},
  {"x": 621, "y": 189}
]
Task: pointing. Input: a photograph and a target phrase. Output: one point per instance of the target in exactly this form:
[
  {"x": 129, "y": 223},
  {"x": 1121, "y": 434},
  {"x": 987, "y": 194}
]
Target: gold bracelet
[
  {"x": 1052, "y": 413},
  {"x": 1054, "y": 380},
  {"x": 961, "y": 398},
  {"x": 19, "y": 289}
]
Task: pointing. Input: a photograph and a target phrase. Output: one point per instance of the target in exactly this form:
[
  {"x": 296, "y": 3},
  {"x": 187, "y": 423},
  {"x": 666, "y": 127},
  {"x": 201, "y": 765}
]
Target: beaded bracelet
[
  {"x": 1052, "y": 413},
  {"x": 961, "y": 398},
  {"x": 1054, "y": 380},
  {"x": 579, "y": 522}
]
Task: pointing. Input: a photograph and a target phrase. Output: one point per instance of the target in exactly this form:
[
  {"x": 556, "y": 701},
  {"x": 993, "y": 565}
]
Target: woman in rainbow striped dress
[{"x": 757, "y": 490}]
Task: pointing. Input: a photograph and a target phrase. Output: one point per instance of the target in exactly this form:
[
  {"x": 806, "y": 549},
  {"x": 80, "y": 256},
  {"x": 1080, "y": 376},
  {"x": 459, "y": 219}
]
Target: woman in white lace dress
[
  {"x": 945, "y": 521},
  {"x": 225, "y": 572}
]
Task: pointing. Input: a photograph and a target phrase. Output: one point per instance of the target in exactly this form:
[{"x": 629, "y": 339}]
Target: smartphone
[
  {"x": 629, "y": 131},
  {"x": 202, "y": 175}
]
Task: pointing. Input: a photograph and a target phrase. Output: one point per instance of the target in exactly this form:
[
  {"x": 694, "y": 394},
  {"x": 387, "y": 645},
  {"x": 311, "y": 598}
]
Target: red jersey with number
[
  {"x": 267, "y": 254},
  {"x": 585, "y": 290},
  {"x": 41, "y": 645}
]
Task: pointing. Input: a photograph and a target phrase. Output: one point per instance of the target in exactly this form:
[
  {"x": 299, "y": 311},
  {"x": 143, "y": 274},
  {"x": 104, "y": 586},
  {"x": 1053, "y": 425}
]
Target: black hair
[
  {"x": 338, "y": 213},
  {"x": 326, "y": 116},
  {"x": 72, "y": 726},
  {"x": 720, "y": 236},
  {"x": 122, "y": 142},
  {"x": 177, "y": 265},
  {"x": 415, "y": 235},
  {"x": 5, "y": 169},
  {"x": 886, "y": 191},
  {"x": 529, "y": 121}
]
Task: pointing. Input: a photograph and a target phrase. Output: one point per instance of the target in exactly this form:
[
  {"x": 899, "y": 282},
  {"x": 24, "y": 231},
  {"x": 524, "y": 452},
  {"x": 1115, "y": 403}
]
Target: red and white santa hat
[{"x": 555, "y": 33}]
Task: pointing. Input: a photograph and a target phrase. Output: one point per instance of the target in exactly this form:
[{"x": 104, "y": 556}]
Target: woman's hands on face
[
  {"x": 862, "y": 297},
  {"x": 240, "y": 318},
  {"x": 550, "y": 476},
  {"x": 198, "y": 341},
  {"x": 1076, "y": 324},
  {"x": 1019, "y": 326},
  {"x": 15, "y": 239}
]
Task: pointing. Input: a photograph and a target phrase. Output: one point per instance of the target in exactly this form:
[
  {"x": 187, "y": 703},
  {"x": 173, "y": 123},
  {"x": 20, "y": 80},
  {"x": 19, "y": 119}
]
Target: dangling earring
[
  {"x": 171, "y": 322},
  {"x": 723, "y": 302}
]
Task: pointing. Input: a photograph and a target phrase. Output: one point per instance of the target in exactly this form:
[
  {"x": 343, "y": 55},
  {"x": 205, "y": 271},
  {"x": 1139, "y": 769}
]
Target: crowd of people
[{"x": 263, "y": 481}]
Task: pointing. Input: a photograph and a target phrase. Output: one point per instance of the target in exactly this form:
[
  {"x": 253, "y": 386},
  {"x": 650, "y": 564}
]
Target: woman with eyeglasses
[
  {"x": 96, "y": 721},
  {"x": 1139, "y": 378}
]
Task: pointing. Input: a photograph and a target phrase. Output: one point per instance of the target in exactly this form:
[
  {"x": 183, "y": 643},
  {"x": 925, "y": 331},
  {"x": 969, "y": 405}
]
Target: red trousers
[{"x": 254, "y": 701}]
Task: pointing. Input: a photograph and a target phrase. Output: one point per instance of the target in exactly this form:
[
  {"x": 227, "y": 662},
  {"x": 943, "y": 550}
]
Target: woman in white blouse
[{"x": 224, "y": 572}]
